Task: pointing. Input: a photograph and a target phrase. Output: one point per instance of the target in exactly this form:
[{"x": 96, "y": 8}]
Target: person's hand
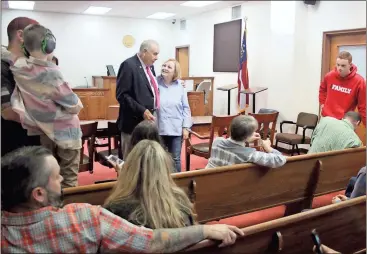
[
  {"x": 321, "y": 107},
  {"x": 325, "y": 249},
  {"x": 185, "y": 133},
  {"x": 339, "y": 198},
  {"x": 148, "y": 116},
  {"x": 225, "y": 233},
  {"x": 10, "y": 115},
  {"x": 116, "y": 166},
  {"x": 255, "y": 136},
  {"x": 266, "y": 144},
  {"x": 183, "y": 83}
]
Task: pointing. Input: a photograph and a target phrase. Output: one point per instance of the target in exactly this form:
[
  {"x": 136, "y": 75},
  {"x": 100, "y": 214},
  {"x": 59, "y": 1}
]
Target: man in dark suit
[{"x": 137, "y": 90}]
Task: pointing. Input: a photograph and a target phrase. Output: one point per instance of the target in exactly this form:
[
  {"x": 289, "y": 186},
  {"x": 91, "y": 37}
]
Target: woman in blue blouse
[{"x": 174, "y": 115}]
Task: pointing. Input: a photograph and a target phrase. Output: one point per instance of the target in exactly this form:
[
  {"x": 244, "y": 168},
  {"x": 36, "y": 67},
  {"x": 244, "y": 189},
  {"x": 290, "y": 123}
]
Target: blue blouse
[{"x": 174, "y": 111}]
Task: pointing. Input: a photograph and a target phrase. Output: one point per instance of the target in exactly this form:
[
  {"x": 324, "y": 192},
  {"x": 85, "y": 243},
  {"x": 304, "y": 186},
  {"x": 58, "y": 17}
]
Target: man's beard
[{"x": 55, "y": 199}]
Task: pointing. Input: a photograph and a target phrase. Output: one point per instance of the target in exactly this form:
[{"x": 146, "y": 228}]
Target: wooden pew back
[
  {"x": 229, "y": 191},
  {"x": 233, "y": 190},
  {"x": 338, "y": 167},
  {"x": 340, "y": 226}
]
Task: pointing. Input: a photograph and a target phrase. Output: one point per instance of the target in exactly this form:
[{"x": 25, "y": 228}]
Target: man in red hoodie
[{"x": 342, "y": 89}]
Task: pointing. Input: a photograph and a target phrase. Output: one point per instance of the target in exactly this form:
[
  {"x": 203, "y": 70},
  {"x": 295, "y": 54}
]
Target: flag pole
[{"x": 245, "y": 18}]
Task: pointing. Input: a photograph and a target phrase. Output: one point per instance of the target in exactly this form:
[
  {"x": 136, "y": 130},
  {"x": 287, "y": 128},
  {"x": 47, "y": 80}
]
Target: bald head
[{"x": 148, "y": 52}]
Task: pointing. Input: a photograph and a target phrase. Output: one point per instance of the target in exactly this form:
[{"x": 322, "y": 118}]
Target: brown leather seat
[
  {"x": 293, "y": 139},
  {"x": 304, "y": 121},
  {"x": 201, "y": 147}
]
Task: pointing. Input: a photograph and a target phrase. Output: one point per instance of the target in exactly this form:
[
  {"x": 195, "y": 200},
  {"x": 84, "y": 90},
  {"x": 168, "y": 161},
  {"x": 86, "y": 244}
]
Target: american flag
[{"x": 243, "y": 81}]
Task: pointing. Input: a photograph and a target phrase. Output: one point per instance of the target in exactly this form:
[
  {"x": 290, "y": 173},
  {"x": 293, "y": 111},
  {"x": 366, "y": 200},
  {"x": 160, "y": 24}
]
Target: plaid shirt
[
  {"x": 45, "y": 102},
  {"x": 227, "y": 152},
  {"x": 76, "y": 228}
]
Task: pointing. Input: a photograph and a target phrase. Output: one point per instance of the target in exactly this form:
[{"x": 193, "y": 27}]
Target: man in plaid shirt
[{"x": 32, "y": 220}]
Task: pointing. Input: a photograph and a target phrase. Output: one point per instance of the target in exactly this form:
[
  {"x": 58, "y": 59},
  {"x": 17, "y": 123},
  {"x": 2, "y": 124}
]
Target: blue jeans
[{"x": 174, "y": 144}]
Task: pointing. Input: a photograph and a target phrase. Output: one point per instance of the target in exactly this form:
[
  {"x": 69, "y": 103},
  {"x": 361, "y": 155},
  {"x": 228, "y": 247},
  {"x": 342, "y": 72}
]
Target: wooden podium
[
  {"x": 97, "y": 100},
  {"x": 207, "y": 109}
]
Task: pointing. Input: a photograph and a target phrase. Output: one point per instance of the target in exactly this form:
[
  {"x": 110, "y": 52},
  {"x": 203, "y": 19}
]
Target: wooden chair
[
  {"x": 219, "y": 125},
  {"x": 305, "y": 121},
  {"x": 267, "y": 123},
  {"x": 88, "y": 134},
  {"x": 112, "y": 133}
]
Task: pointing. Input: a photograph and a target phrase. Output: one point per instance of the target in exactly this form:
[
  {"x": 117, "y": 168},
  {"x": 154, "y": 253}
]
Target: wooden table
[
  {"x": 102, "y": 124},
  {"x": 228, "y": 88},
  {"x": 253, "y": 91}
]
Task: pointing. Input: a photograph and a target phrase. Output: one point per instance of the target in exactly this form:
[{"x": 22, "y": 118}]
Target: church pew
[
  {"x": 238, "y": 189},
  {"x": 340, "y": 226}
]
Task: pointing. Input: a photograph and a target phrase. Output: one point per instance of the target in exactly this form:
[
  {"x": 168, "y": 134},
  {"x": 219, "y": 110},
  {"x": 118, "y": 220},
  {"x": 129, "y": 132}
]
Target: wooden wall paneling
[
  {"x": 94, "y": 101},
  {"x": 83, "y": 114}
]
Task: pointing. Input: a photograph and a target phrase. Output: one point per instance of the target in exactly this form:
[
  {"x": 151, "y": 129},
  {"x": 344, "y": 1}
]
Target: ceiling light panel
[
  {"x": 97, "y": 10},
  {"x": 198, "y": 3},
  {"x": 21, "y": 5},
  {"x": 161, "y": 15}
]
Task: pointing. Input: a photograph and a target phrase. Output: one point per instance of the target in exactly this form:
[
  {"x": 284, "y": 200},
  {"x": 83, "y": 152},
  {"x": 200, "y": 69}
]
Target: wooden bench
[
  {"x": 238, "y": 189},
  {"x": 341, "y": 227}
]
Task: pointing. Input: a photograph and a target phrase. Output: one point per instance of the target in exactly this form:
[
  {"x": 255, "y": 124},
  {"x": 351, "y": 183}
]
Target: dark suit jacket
[{"x": 134, "y": 93}]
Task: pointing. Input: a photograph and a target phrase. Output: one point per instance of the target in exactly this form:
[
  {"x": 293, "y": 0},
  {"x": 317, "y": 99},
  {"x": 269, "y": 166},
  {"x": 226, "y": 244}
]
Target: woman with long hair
[
  {"x": 174, "y": 115},
  {"x": 144, "y": 130},
  {"x": 145, "y": 193}
]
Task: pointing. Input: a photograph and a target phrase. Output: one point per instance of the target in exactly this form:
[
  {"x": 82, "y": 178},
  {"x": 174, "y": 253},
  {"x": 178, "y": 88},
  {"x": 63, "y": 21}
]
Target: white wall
[
  {"x": 284, "y": 43},
  {"x": 199, "y": 35},
  {"x": 86, "y": 44}
]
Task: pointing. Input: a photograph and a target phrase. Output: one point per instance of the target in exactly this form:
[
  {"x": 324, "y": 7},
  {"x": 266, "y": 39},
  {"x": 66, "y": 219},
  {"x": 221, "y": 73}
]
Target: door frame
[
  {"x": 326, "y": 48},
  {"x": 188, "y": 55}
]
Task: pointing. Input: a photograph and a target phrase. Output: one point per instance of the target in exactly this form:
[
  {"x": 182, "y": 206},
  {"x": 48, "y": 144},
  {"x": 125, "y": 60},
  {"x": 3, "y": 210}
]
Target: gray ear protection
[{"x": 48, "y": 43}]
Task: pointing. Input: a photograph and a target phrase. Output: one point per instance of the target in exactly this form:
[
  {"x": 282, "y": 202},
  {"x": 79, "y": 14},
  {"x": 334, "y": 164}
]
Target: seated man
[
  {"x": 234, "y": 151},
  {"x": 356, "y": 187},
  {"x": 32, "y": 220},
  {"x": 332, "y": 134}
]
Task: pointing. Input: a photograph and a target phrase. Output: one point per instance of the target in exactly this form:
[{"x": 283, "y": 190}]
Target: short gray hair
[
  {"x": 23, "y": 170},
  {"x": 242, "y": 127},
  {"x": 147, "y": 44},
  {"x": 352, "y": 115}
]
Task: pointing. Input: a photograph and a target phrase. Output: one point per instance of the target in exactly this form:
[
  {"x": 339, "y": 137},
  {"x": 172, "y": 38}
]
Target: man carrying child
[{"x": 45, "y": 102}]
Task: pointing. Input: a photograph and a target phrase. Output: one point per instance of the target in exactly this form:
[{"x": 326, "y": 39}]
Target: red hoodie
[{"x": 340, "y": 95}]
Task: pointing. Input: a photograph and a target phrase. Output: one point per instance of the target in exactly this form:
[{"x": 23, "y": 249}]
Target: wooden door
[
  {"x": 353, "y": 41},
  {"x": 182, "y": 56}
]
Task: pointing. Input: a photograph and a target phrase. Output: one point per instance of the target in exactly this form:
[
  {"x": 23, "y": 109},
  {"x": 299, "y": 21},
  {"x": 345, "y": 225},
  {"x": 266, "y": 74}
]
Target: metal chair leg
[
  {"x": 292, "y": 150},
  {"x": 298, "y": 150},
  {"x": 187, "y": 162}
]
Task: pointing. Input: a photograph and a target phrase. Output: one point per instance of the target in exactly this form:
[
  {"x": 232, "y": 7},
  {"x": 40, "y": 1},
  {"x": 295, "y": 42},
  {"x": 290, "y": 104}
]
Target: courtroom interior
[{"x": 184, "y": 115}]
